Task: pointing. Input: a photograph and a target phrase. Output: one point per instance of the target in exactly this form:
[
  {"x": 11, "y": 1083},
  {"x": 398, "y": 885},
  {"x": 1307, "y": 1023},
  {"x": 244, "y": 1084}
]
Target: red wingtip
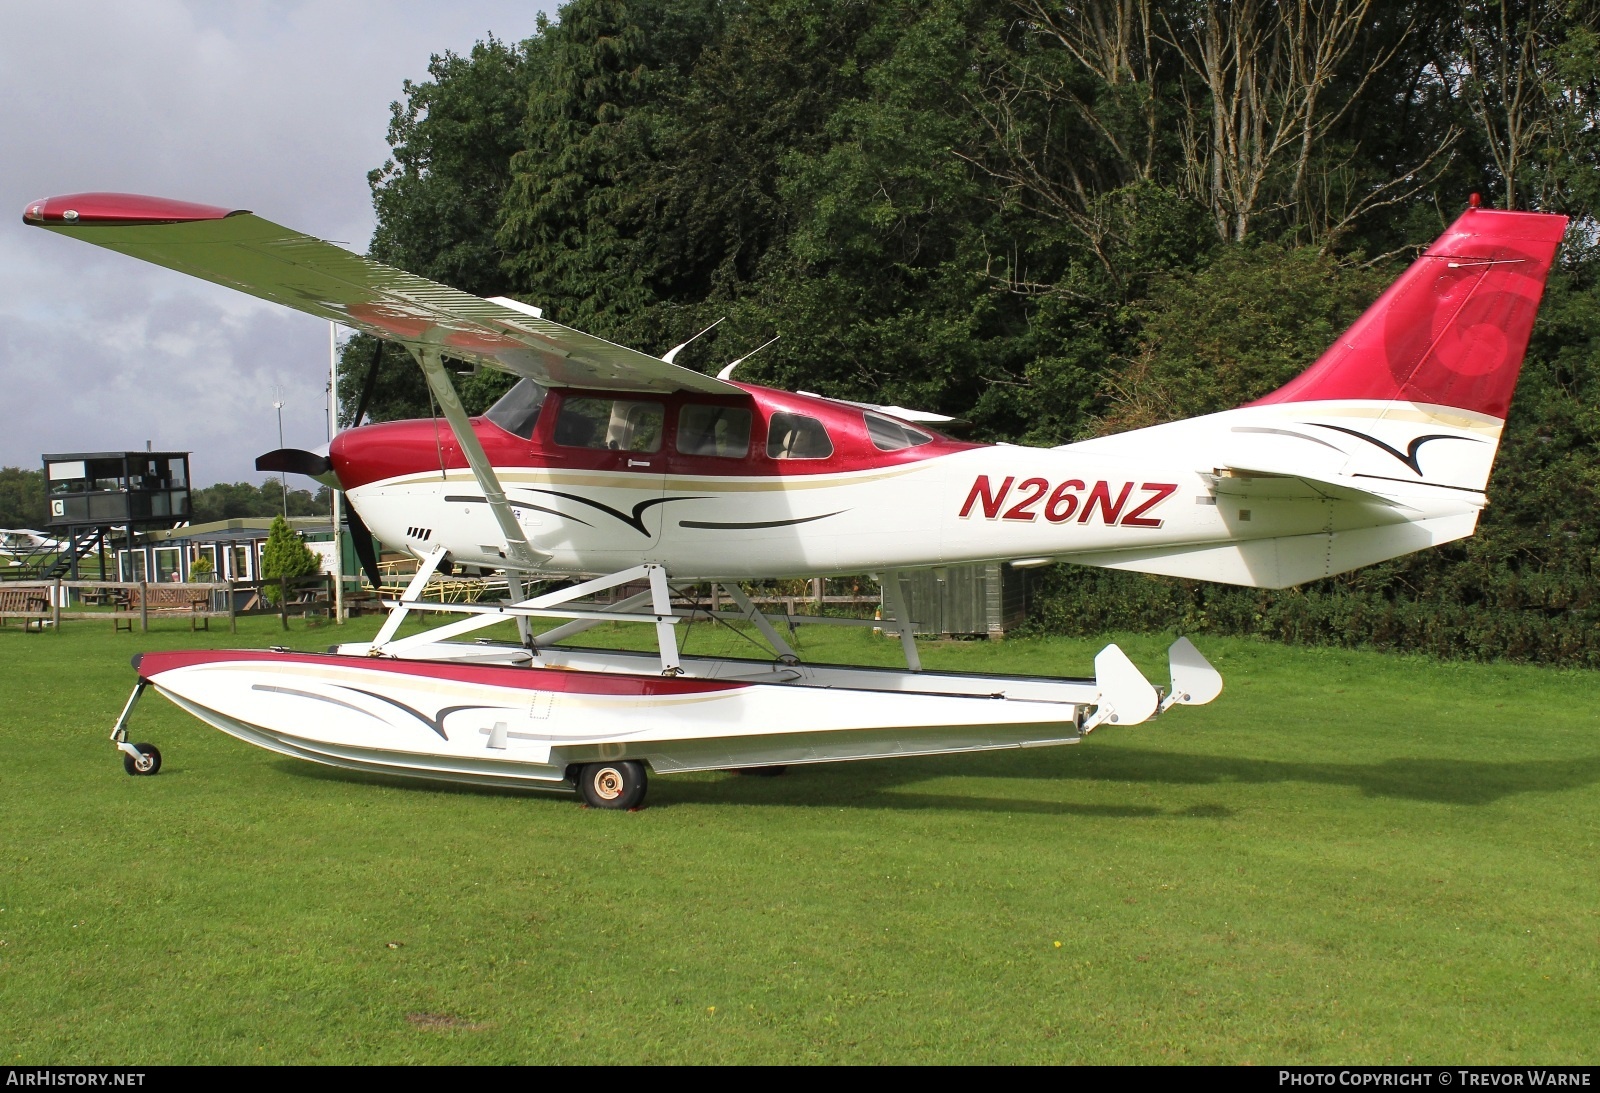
[
  {"x": 92, "y": 209},
  {"x": 1452, "y": 331}
]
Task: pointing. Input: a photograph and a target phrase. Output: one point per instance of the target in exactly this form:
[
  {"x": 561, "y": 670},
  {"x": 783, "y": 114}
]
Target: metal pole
[
  {"x": 338, "y": 497},
  {"x": 283, "y": 481}
]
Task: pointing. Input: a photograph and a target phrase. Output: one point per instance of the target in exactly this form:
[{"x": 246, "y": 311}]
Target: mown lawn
[{"x": 1348, "y": 857}]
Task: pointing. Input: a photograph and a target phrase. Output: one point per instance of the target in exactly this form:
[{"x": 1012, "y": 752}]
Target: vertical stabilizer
[{"x": 1452, "y": 331}]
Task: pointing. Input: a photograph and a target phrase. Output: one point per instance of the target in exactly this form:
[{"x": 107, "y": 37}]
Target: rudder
[{"x": 1453, "y": 330}]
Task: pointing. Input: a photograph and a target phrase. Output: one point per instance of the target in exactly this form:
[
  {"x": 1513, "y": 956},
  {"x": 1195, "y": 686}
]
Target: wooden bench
[
  {"x": 32, "y": 605},
  {"x": 161, "y": 601}
]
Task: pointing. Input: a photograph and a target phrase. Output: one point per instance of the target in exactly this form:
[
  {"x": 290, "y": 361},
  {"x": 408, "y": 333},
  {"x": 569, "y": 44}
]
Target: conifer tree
[{"x": 286, "y": 554}]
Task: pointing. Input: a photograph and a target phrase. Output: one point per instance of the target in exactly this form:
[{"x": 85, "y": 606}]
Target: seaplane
[
  {"x": 17, "y": 545},
  {"x": 606, "y": 466}
]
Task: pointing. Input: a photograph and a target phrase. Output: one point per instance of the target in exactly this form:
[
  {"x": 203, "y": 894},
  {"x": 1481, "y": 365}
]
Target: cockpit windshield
[
  {"x": 889, "y": 435},
  {"x": 517, "y": 411}
]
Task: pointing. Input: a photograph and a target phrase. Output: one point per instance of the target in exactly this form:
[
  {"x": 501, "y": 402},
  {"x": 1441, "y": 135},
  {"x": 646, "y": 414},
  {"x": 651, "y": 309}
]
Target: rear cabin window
[
  {"x": 517, "y": 411},
  {"x": 796, "y": 436},
  {"x": 889, "y": 435},
  {"x": 722, "y": 431},
  {"x": 618, "y": 425}
]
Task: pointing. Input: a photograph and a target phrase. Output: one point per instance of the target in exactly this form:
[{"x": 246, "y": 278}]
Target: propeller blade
[
  {"x": 294, "y": 461},
  {"x": 366, "y": 548},
  {"x": 368, "y": 385}
]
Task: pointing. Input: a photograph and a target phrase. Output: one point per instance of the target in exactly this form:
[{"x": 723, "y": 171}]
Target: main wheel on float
[{"x": 617, "y": 784}]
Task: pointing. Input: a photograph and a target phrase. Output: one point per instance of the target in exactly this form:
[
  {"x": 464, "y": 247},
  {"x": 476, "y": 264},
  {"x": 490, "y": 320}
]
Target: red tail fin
[{"x": 1452, "y": 331}]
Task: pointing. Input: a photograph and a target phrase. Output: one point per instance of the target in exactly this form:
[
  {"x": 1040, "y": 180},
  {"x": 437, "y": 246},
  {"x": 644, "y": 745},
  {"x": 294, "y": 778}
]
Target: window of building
[
  {"x": 796, "y": 436},
  {"x": 618, "y": 425},
  {"x": 130, "y": 565},
  {"x": 722, "y": 431},
  {"x": 167, "y": 565}
]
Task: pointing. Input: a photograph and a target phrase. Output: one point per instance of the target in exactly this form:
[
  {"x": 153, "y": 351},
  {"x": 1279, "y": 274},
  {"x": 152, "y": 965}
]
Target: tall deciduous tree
[
  {"x": 22, "y": 500},
  {"x": 1050, "y": 218},
  {"x": 438, "y": 202}
]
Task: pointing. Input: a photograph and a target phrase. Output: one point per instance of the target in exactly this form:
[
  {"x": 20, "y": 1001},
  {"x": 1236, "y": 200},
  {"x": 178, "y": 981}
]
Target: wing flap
[{"x": 271, "y": 262}]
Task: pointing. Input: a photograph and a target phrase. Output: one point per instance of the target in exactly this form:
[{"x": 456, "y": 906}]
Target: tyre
[
  {"x": 149, "y": 760},
  {"x": 619, "y": 784}
]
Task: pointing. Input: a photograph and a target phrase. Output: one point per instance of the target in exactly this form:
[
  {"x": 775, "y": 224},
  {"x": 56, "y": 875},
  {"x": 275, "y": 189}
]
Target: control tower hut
[{"x": 102, "y": 499}]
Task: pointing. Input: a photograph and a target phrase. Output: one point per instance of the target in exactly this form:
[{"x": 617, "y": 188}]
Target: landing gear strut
[{"x": 137, "y": 759}]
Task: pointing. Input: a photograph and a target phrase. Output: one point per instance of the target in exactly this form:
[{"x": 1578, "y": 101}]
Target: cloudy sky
[{"x": 277, "y": 107}]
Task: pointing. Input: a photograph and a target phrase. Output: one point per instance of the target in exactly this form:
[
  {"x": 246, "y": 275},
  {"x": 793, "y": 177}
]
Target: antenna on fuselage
[
  {"x": 727, "y": 373},
  {"x": 675, "y": 350}
]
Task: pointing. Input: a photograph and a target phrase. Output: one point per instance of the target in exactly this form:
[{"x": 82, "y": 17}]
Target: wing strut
[{"x": 521, "y": 554}]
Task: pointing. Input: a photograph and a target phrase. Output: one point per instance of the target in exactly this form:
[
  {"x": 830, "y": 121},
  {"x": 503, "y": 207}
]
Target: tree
[
  {"x": 1243, "y": 326},
  {"x": 240, "y": 500},
  {"x": 437, "y": 201},
  {"x": 578, "y": 223},
  {"x": 1051, "y": 219},
  {"x": 22, "y": 500},
  {"x": 1529, "y": 73},
  {"x": 286, "y": 555}
]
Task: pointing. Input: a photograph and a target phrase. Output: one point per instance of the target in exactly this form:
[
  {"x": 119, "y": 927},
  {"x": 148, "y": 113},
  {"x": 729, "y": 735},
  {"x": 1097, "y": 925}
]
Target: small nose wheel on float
[{"x": 137, "y": 759}]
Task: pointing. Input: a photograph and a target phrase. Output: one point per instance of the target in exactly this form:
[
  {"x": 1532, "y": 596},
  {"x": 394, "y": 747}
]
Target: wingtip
[{"x": 99, "y": 209}]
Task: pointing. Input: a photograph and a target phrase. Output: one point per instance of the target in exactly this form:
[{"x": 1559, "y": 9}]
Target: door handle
[{"x": 638, "y": 462}]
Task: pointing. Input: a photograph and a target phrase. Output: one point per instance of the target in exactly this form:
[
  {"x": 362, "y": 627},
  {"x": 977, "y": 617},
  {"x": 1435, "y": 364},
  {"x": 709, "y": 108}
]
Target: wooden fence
[
  {"x": 38, "y": 604},
  {"x": 41, "y": 604}
]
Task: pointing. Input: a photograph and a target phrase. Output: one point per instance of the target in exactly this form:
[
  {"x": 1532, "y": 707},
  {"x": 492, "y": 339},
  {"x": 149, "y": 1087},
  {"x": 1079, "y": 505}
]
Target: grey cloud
[{"x": 277, "y": 107}]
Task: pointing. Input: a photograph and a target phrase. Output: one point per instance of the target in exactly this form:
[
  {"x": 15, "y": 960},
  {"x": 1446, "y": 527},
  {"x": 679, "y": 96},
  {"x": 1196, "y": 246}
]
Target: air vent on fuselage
[{"x": 420, "y": 534}]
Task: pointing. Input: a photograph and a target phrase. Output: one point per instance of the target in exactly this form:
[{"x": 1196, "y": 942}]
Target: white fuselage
[{"x": 1137, "y": 501}]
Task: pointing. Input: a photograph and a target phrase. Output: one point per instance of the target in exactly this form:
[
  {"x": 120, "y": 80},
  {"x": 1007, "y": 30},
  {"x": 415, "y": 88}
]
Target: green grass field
[{"x": 1348, "y": 857}]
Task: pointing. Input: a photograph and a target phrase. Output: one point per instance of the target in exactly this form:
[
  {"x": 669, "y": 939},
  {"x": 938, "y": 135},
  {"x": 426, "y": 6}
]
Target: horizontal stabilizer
[
  {"x": 1246, "y": 483},
  {"x": 1287, "y": 560}
]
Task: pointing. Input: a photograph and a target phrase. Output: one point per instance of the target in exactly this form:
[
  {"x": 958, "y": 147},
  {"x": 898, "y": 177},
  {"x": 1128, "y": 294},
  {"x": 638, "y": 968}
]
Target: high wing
[{"x": 241, "y": 250}]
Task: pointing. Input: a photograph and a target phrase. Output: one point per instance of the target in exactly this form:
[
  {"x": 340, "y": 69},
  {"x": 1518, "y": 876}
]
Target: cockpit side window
[
  {"x": 517, "y": 411},
  {"x": 889, "y": 435},
  {"x": 618, "y": 425},
  {"x": 796, "y": 436},
  {"x": 722, "y": 431}
]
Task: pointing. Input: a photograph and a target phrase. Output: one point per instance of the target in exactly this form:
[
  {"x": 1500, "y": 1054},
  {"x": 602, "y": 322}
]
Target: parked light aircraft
[
  {"x": 17, "y": 544},
  {"x": 609, "y": 465}
]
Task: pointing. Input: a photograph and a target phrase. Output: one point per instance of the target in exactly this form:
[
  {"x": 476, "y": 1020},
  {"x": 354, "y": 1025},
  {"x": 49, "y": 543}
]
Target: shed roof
[{"x": 248, "y": 527}]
